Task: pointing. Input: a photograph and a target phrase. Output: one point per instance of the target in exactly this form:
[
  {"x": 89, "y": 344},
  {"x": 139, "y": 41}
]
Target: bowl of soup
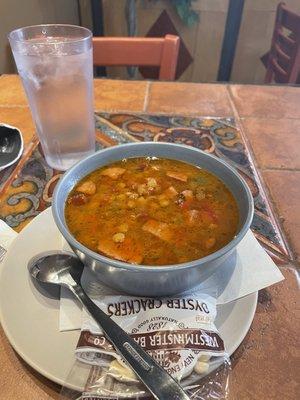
[{"x": 152, "y": 219}]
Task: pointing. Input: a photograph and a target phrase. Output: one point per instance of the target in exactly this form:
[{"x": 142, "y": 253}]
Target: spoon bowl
[{"x": 56, "y": 268}]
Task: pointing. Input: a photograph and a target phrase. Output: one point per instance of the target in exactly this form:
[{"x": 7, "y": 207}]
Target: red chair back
[
  {"x": 284, "y": 58},
  {"x": 138, "y": 51}
]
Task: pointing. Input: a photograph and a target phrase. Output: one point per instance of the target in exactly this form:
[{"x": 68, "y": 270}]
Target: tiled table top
[{"x": 269, "y": 120}]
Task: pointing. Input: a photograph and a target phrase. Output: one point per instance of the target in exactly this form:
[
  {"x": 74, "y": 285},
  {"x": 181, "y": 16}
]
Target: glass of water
[{"x": 55, "y": 63}]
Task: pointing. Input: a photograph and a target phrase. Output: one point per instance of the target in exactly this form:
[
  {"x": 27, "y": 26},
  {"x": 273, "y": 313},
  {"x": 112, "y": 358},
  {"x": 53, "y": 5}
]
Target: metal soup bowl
[{"x": 153, "y": 280}]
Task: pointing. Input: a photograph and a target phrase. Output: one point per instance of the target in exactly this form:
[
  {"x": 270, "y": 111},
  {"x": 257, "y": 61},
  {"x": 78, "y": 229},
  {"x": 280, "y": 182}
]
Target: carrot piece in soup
[
  {"x": 186, "y": 204},
  {"x": 207, "y": 208},
  {"x": 159, "y": 229},
  {"x": 78, "y": 199},
  {"x": 209, "y": 215}
]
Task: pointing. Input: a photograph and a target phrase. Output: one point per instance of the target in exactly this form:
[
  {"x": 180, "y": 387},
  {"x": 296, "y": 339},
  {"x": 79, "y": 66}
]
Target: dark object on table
[
  {"x": 124, "y": 51},
  {"x": 283, "y": 64},
  {"x": 11, "y": 145}
]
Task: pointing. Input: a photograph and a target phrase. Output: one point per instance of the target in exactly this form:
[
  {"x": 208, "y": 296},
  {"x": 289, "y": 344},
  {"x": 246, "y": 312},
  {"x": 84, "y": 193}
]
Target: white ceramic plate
[{"x": 30, "y": 319}]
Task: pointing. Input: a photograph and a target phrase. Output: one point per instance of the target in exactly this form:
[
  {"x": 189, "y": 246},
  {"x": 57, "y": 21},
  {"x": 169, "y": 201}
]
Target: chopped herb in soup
[{"x": 152, "y": 211}]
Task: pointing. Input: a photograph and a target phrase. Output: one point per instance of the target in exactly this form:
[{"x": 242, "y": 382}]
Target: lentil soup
[{"x": 152, "y": 211}]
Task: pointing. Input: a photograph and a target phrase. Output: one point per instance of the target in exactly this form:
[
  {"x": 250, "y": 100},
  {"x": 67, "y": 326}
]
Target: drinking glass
[{"x": 55, "y": 63}]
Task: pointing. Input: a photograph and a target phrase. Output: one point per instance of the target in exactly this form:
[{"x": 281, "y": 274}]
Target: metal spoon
[
  {"x": 65, "y": 270},
  {"x": 11, "y": 145}
]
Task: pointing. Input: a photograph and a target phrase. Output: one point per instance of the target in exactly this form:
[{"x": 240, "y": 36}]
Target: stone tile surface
[
  {"x": 11, "y": 91},
  {"x": 275, "y": 142},
  {"x": 284, "y": 187},
  {"x": 266, "y": 365},
  {"x": 109, "y": 94},
  {"x": 116, "y": 95},
  {"x": 266, "y": 101},
  {"x": 189, "y": 98}
]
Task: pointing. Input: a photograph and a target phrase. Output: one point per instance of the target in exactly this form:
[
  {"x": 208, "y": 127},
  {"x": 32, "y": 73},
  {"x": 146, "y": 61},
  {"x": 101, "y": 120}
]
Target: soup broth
[{"x": 152, "y": 211}]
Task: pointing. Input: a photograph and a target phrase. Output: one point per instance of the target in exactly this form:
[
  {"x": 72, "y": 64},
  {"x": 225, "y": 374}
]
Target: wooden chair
[
  {"x": 138, "y": 51},
  {"x": 284, "y": 57}
]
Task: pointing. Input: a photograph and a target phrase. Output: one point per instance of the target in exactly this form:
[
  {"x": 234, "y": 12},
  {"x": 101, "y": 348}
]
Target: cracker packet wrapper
[{"x": 178, "y": 332}]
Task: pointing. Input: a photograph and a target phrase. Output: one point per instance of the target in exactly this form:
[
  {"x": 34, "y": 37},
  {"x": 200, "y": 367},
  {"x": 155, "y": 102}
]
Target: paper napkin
[{"x": 7, "y": 235}]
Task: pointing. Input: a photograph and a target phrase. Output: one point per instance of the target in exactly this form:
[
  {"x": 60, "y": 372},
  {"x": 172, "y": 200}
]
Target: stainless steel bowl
[{"x": 153, "y": 280}]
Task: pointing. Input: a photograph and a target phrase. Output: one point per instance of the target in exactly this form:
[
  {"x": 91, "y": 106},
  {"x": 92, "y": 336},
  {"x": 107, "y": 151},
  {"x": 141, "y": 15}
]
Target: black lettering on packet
[
  {"x": 130, "y": 307},
  {"x": 191, "y": 304},
  {"x": 144, "y": 304},
  {"x": 201, "y": 307},
  {"x": 151, "y": 304},
  {"x": 170, "y": 303},
  {"x": 176, "y": 303},
  {"x": 205, "y": 308},
  {"x": 109, "y": 311},
  {"x": 184, "y": 306},
  {"x": 158, "y": 303},
  {"x": 137, "y": 310},
  {"x": 117, "y": 309},
  {"x": 123, "y": 308}
]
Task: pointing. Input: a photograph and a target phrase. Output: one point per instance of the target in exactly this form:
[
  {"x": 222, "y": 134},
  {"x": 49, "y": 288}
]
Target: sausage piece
[
  {"x": 177, "y": 175},
  {"x": 159, "y": 229},
  {"x": 113, "y": 172},
  {"x": 87, "y": 187},
  {"x": 129, "y": 250}
]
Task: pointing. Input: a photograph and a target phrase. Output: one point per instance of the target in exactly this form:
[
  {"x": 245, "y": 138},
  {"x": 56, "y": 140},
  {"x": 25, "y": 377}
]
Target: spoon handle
[{"x": 157, "y": 380}]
